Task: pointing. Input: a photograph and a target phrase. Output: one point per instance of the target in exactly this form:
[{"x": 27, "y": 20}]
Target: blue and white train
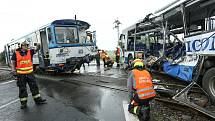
[{"x": 64, "y": 45}]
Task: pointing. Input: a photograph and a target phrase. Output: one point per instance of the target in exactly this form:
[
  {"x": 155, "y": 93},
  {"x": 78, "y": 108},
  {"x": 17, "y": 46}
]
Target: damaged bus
[
  {"x": 64, "y": 45},
  {"x": 178, "y": 40}
]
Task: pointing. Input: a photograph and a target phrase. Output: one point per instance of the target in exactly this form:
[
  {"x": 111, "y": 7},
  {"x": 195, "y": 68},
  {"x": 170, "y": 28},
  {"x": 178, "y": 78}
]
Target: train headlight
[
  {"x": 64, "y": 50},
  {"x": 92, "y": 49},
  {"x": 60, "y": 50}
]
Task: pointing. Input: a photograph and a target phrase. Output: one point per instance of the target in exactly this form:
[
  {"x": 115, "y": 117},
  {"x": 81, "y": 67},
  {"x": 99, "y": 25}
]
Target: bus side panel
[{"x": 203, "y": 44}]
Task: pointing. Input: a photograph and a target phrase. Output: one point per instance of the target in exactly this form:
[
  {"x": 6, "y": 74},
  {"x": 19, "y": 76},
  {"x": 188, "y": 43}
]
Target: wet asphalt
[{"x": 93, "y": 94}]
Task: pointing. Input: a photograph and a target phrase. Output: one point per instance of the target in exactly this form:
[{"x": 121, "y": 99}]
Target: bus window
[
  {"x": 139, "y": 46},
  {"x": 130, "y": 44},
  {"x": 210, "y": 23},
  {"x": 66, "y": 35}
]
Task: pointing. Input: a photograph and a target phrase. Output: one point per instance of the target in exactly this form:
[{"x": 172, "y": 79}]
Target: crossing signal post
[{"x": 116, "y": 26}]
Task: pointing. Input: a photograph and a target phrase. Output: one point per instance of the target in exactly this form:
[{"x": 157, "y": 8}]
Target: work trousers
[
  {"x": 104, "y": 61},
  {"x": 117, "y": 61},
  {"x": 22, "y": 81},
  {"x": 141, "y": 107}
]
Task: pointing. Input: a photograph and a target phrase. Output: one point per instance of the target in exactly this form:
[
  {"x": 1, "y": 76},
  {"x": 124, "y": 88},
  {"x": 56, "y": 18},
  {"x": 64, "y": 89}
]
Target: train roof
[{"x": 80, "y": 23}]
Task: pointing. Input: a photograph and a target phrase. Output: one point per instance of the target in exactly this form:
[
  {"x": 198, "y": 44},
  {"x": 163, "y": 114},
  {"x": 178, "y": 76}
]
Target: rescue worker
[
  {"x": 117, "y": 53},
  {"x": 134, "y": 61},
  {"x": 22, "y": 67},
  {"x": 97, "y": 57},
  {"x": 86, "y": 59},
  {"x": 103, "y": 55},
  {"x": 141, "y": 91},
  {"x": 108, "y": 61}
]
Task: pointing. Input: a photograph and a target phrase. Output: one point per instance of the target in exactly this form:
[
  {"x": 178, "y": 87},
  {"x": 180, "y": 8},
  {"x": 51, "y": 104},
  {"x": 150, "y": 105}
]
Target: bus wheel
[{"x": 208, "y": 83}]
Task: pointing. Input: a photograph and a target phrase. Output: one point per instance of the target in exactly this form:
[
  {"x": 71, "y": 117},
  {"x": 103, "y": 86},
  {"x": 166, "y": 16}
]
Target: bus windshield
[{"x": 66, "y": 35}]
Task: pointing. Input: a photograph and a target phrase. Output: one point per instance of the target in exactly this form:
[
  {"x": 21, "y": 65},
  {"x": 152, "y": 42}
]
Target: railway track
[
  {"x": 168, "y": 101},
  {"x": 5, "y": 69}
]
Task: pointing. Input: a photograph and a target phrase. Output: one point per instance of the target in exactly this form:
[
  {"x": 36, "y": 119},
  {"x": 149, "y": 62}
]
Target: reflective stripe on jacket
[
  {"x": 24, "y": 63},
  {"x": 144, "y": 86}
]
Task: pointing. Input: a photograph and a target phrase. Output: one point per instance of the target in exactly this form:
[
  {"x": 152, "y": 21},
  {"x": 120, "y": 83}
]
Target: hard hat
[
  {"x": 140, "y": 64},
  {"x": 137, "y": 60}
]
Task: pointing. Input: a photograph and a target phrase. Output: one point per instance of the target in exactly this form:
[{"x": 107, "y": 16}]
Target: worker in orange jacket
[
  {"x": 141, "y": 91},
  {"x": 117, "y": 53},
  {"x": 103, "y": 56},
  {"x": 22, "y": 67}
]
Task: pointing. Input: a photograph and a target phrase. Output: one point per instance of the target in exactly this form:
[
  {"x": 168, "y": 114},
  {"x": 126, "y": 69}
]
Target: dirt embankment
[{"x": 4, "y": 74}]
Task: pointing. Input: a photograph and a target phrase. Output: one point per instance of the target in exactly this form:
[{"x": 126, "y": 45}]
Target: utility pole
[{"x": 116, "y": 26}]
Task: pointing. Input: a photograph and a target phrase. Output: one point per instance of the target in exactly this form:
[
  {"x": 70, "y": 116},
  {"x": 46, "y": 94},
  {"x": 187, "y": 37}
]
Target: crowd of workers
[
  {"x": 139, "y": 81},
  {"x": 107, "y": 60}
]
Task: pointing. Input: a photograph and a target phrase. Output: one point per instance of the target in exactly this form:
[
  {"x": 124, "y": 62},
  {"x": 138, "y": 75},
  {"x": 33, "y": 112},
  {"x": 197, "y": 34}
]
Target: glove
[{"x": 129, "y": 107}]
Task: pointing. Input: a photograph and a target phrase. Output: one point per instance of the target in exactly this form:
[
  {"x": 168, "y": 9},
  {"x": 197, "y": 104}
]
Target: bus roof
[
  {"x": 170, "y": 6},
  {"x": 195, "y": 12},
  {"x": 190, "y": 4}
]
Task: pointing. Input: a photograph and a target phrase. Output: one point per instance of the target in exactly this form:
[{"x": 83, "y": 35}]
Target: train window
[
  {"x": 49, "y": 35},
  {"x": 89, "y": 38},
  {"x": 66, "y": 35}
]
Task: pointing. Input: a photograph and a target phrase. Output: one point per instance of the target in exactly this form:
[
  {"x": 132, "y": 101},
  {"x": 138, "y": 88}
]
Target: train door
[{"x": 44, "y": 50}]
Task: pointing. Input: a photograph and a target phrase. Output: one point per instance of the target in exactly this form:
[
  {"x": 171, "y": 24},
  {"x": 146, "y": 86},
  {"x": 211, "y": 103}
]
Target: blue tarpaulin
[{"x": 181, "y": 71}]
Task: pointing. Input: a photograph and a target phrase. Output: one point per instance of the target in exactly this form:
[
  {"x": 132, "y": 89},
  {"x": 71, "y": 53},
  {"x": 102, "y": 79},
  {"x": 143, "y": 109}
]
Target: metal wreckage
[{"x": 179, "y": 41}]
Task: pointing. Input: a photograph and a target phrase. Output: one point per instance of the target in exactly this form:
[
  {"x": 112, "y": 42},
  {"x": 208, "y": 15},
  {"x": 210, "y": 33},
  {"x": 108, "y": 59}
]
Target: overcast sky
[{"x": 20, "y": 17}]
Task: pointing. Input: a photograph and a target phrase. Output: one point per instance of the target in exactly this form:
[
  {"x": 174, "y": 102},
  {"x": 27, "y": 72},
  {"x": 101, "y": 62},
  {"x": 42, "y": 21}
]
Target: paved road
[
  {"x": 93, "y": 94},
  {"x": 69, "y": 99},
  {"x": 55, "y": 110}
]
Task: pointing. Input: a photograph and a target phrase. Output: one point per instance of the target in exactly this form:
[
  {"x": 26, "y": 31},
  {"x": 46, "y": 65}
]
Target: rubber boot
[
  {"x": 23, "y": 105},
  {"x": 40, "y": 101},
  {"x": 144, "y": 113}
]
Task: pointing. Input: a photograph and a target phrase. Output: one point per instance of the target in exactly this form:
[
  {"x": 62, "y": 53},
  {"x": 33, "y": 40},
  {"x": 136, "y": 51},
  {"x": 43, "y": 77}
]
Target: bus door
[{"x": 44, "y": 50}]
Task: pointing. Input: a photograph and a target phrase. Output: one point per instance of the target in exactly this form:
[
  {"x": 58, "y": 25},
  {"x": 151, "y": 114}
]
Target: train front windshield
[{"x": 66, "y": 35}]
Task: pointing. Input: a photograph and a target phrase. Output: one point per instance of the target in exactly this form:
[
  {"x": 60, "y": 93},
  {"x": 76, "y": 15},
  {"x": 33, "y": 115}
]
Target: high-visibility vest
[
  {"x": 24, "y": 63},
  {"x": 144, "y": 86},
  {"x": 103, "y": 55}
]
